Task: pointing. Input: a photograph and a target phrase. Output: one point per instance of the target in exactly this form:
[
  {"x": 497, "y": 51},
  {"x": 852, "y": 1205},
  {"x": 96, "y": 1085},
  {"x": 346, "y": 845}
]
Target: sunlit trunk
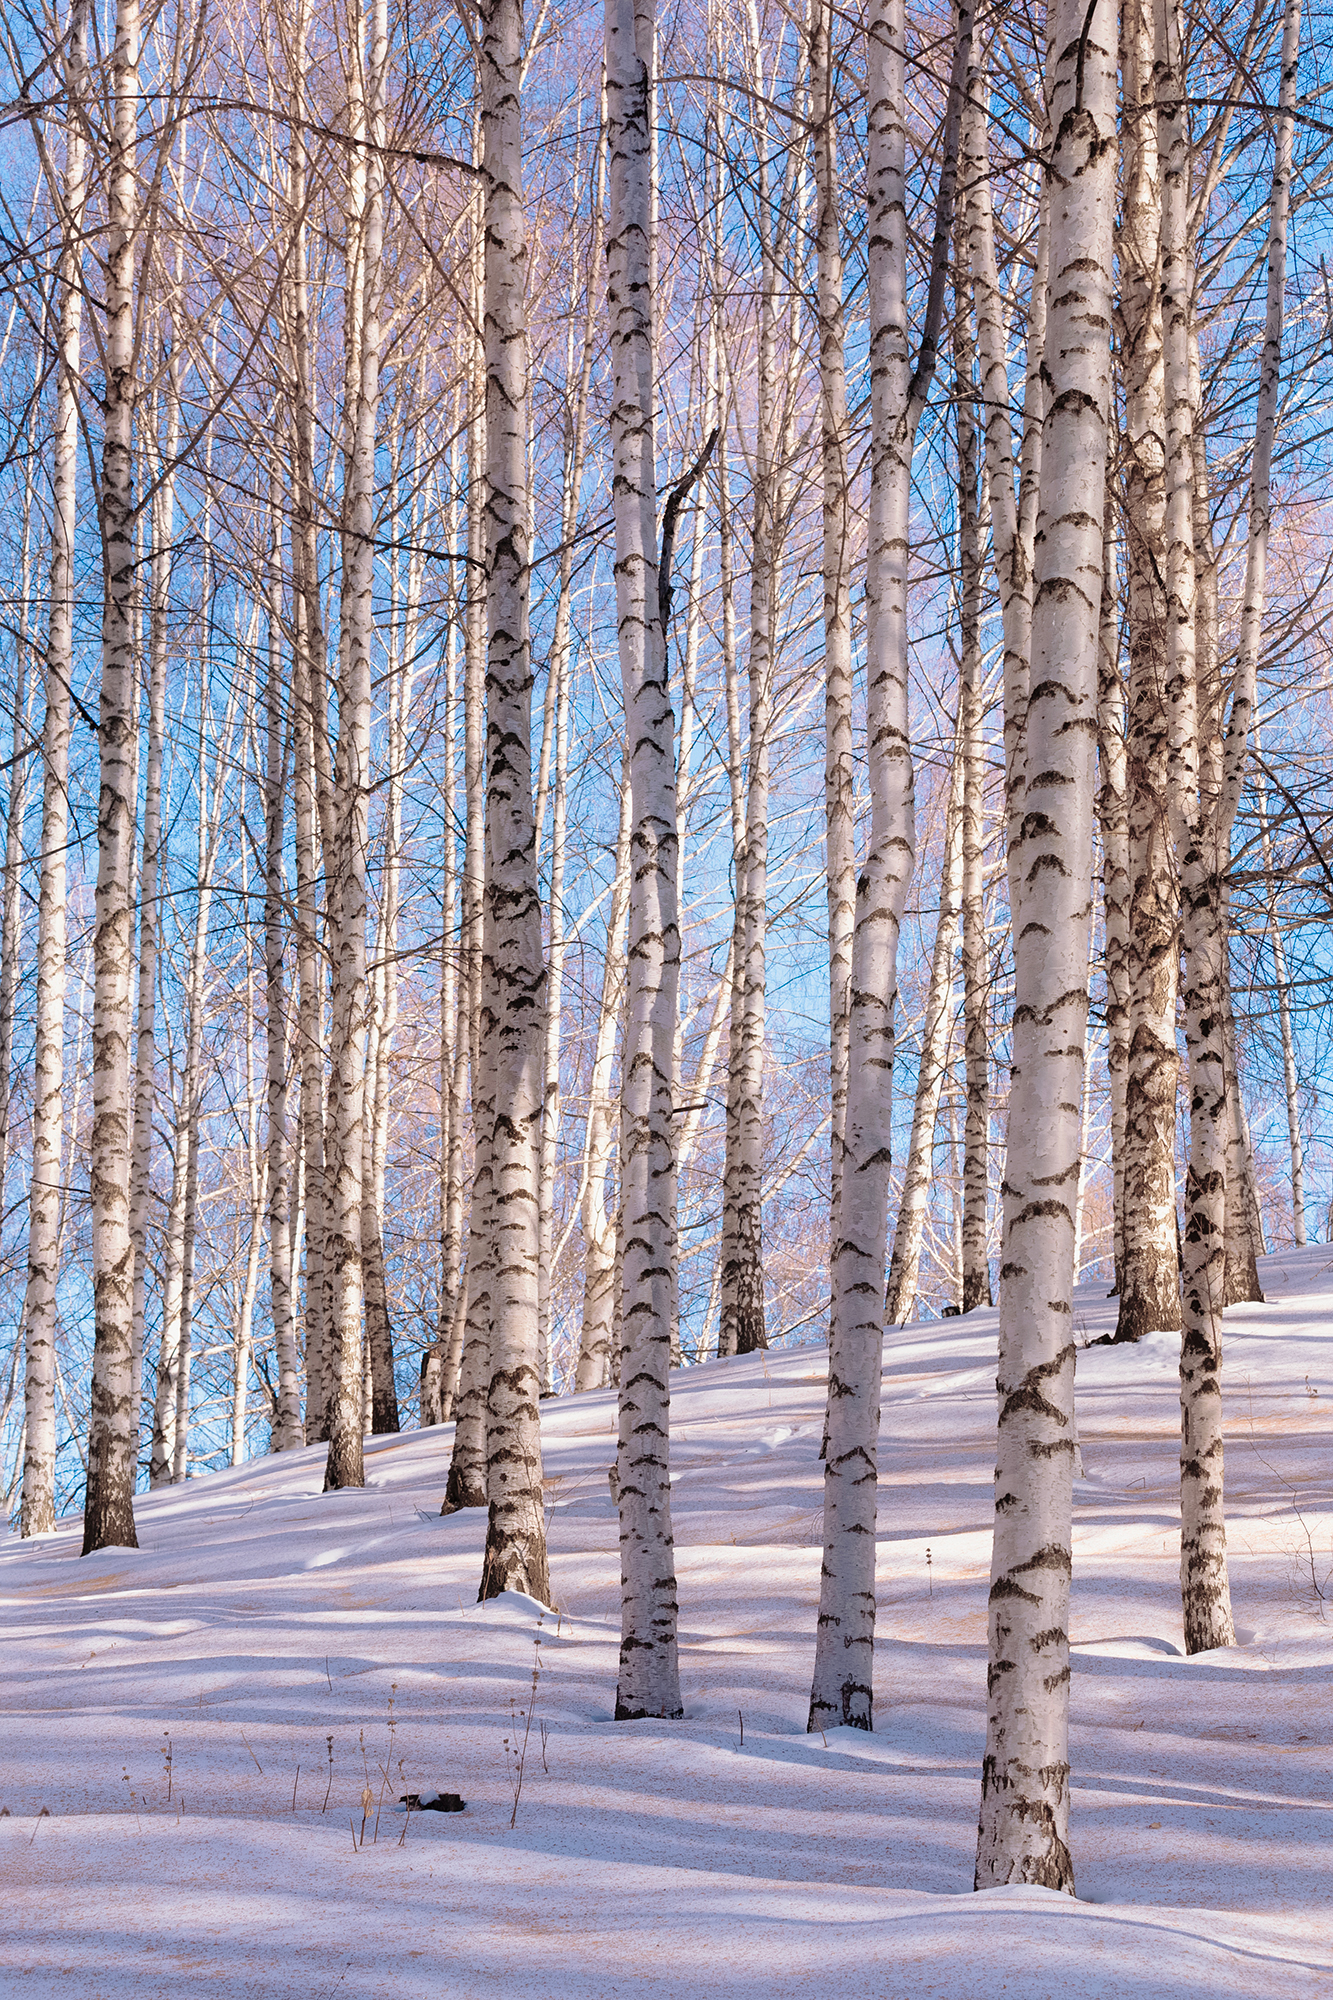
[
  {"x": 1023, "y": 1831},
  {"x": 37, "y": 1511},
  {"x": 112, "y": 1436},
  {"x": 649, "y": 1679},
  {"x": 347, "y": 891}
]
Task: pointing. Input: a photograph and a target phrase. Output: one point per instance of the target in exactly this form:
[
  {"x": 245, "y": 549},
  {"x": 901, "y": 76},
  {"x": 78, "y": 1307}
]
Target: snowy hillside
[{"x": 261, "y": 1618}]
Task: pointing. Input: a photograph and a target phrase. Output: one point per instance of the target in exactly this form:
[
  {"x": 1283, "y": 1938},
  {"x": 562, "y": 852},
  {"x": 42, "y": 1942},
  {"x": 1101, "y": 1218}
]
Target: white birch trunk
[
  {"x": 558, "y": 670},
  {"x": 452, "y": 1074},
  {"x": 383, "y": 1406},
  {"x": 108, "y": 1518},
  {"x": 1283, "y": 990},
  {"x": 598, "y": 1220},
  {"x": 1149, "y": 1295},
  {"x": 1207, "y": 788},
  {"x": 150, "y": 874},
  {"x": 974, "y": 1287},
  {"x": 171, "y": 1420},
  {"x": 37, "y": 1510},
  {"x": 1205, "y": 1590},
  {"x": 742, "y": 1329},
  {"x": 649, "y": 1678},
  {"x": 311, "y": 808},
  {"x": 936, "y": 1034},
  {"x": 466, "y": 1485},
  {"x": 551, "y": 1040},
  {"x": 11, "y": 921},
  {"x": 839, "y": 764},
  {"x": 242, "y": 1340},
  {"x": 1113, "y": 818},
  {"x": 163, "y": 1453},
  {"x": 514, "y": 975},
  {"x": 1243, "y": 1225},
  {"x": 842, "y": 1685},
  {"x": 1023, "y": 1832},
  {"x": 310, "y": 1029},
  {"x": 286, "y": 1430},
  {"x": 1013, "y": 516},
  {"x": 347, "y": 887}
]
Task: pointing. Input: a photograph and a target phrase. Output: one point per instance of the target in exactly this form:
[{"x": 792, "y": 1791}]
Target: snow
[{"x": 261, "y": 1616}]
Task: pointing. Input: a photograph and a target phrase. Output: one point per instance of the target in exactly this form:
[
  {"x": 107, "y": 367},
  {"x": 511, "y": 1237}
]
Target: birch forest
[{"x": 667, "y": 691}]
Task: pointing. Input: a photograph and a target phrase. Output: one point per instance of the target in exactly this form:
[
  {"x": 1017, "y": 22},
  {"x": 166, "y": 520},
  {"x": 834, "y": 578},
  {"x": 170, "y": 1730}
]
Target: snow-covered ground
[{"x": 261, "y": 1618}]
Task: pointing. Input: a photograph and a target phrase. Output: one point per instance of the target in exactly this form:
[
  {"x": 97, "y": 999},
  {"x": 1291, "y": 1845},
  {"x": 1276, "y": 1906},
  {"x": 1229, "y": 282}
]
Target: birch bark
[
  {"x": 286, "y": 1432},
  {"x": 163, "y": 1450},
  {"x": 150, "y": 874},
  {"x": 347, "y": 887},
  {"x": 1023, "y": 1832},
  {"x": 311, "y": 806},
  {"x": 171, "y": 1416},
  {"x": 310, "y": 1024},
  {"x": 841, "y": 1691},
  {"x": 383, "y": 1409},
  {"x": 37, "y": 1508},
  {"x": 974, "y": 1287},
  {"x": 1149, "y": 1294},
  {"x": 1206, "y": 814},
  {"x": 256, "y": 1159},
  {"x": 1113, "y": 818},
  {"x": 514, "y": 975},
  {"x": 550, "y": 1133},
  {"x": 1205, "y": 1590},
  {"x": 466, "y": 1485},
  {"x": 839, "y": 764},
  {"x": 108, "y": 1518},
  {"x": 936, "y": 1033},
  {"x": 1243, "y": 1226},
  {"x": 453, "y": 1072},
  {"x": 649, "y": 1679},
  {"x": 1281, "y": 983},
  {"x": 1013, "y": 513},
  {"x": 599, "y": 1224},
  {"x": 742, "y": 1328},
  {"x": 11, "y": 918},
  {"x": 559, "y": 670}
]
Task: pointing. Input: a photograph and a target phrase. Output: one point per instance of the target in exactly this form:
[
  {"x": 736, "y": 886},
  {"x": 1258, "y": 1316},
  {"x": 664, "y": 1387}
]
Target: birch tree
[
  {"x": 598, "y": 1216},
  {"x": 466, "y": 1486},
  {"x": 1282, "y": 983},
  {"x": 1149, "y": 1294},
  {"x": 312, "y": 806},
  {"x": 742, "y": 1327},
  {"x": 839, "y": 765},
  {"x": 286, "y": 1434},
  {"x": 347, "y": 887},
  {"x": 514, "y": 971},
  {"x": 1204, "y": 816},
  {"x": 842, "y": 1688},
  {"x": 974, "y": 1287},
  {"x": 936, "y": 1034},
  {"x": 573, "y": 457},
  {"x": 649, "y": 1679},
  {"x": 37, "y": 1512},
  {"x": 151, "y": 885},
  {"x": 108, "y": 1518},
  {"x": 1113, "y": 819},
  {"x": 1013, "y": 501},
  {"x": 1023, "y": 1832},
  {"x": 171, "y": 1412},
  {"x": 453, "y": 1031}
]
